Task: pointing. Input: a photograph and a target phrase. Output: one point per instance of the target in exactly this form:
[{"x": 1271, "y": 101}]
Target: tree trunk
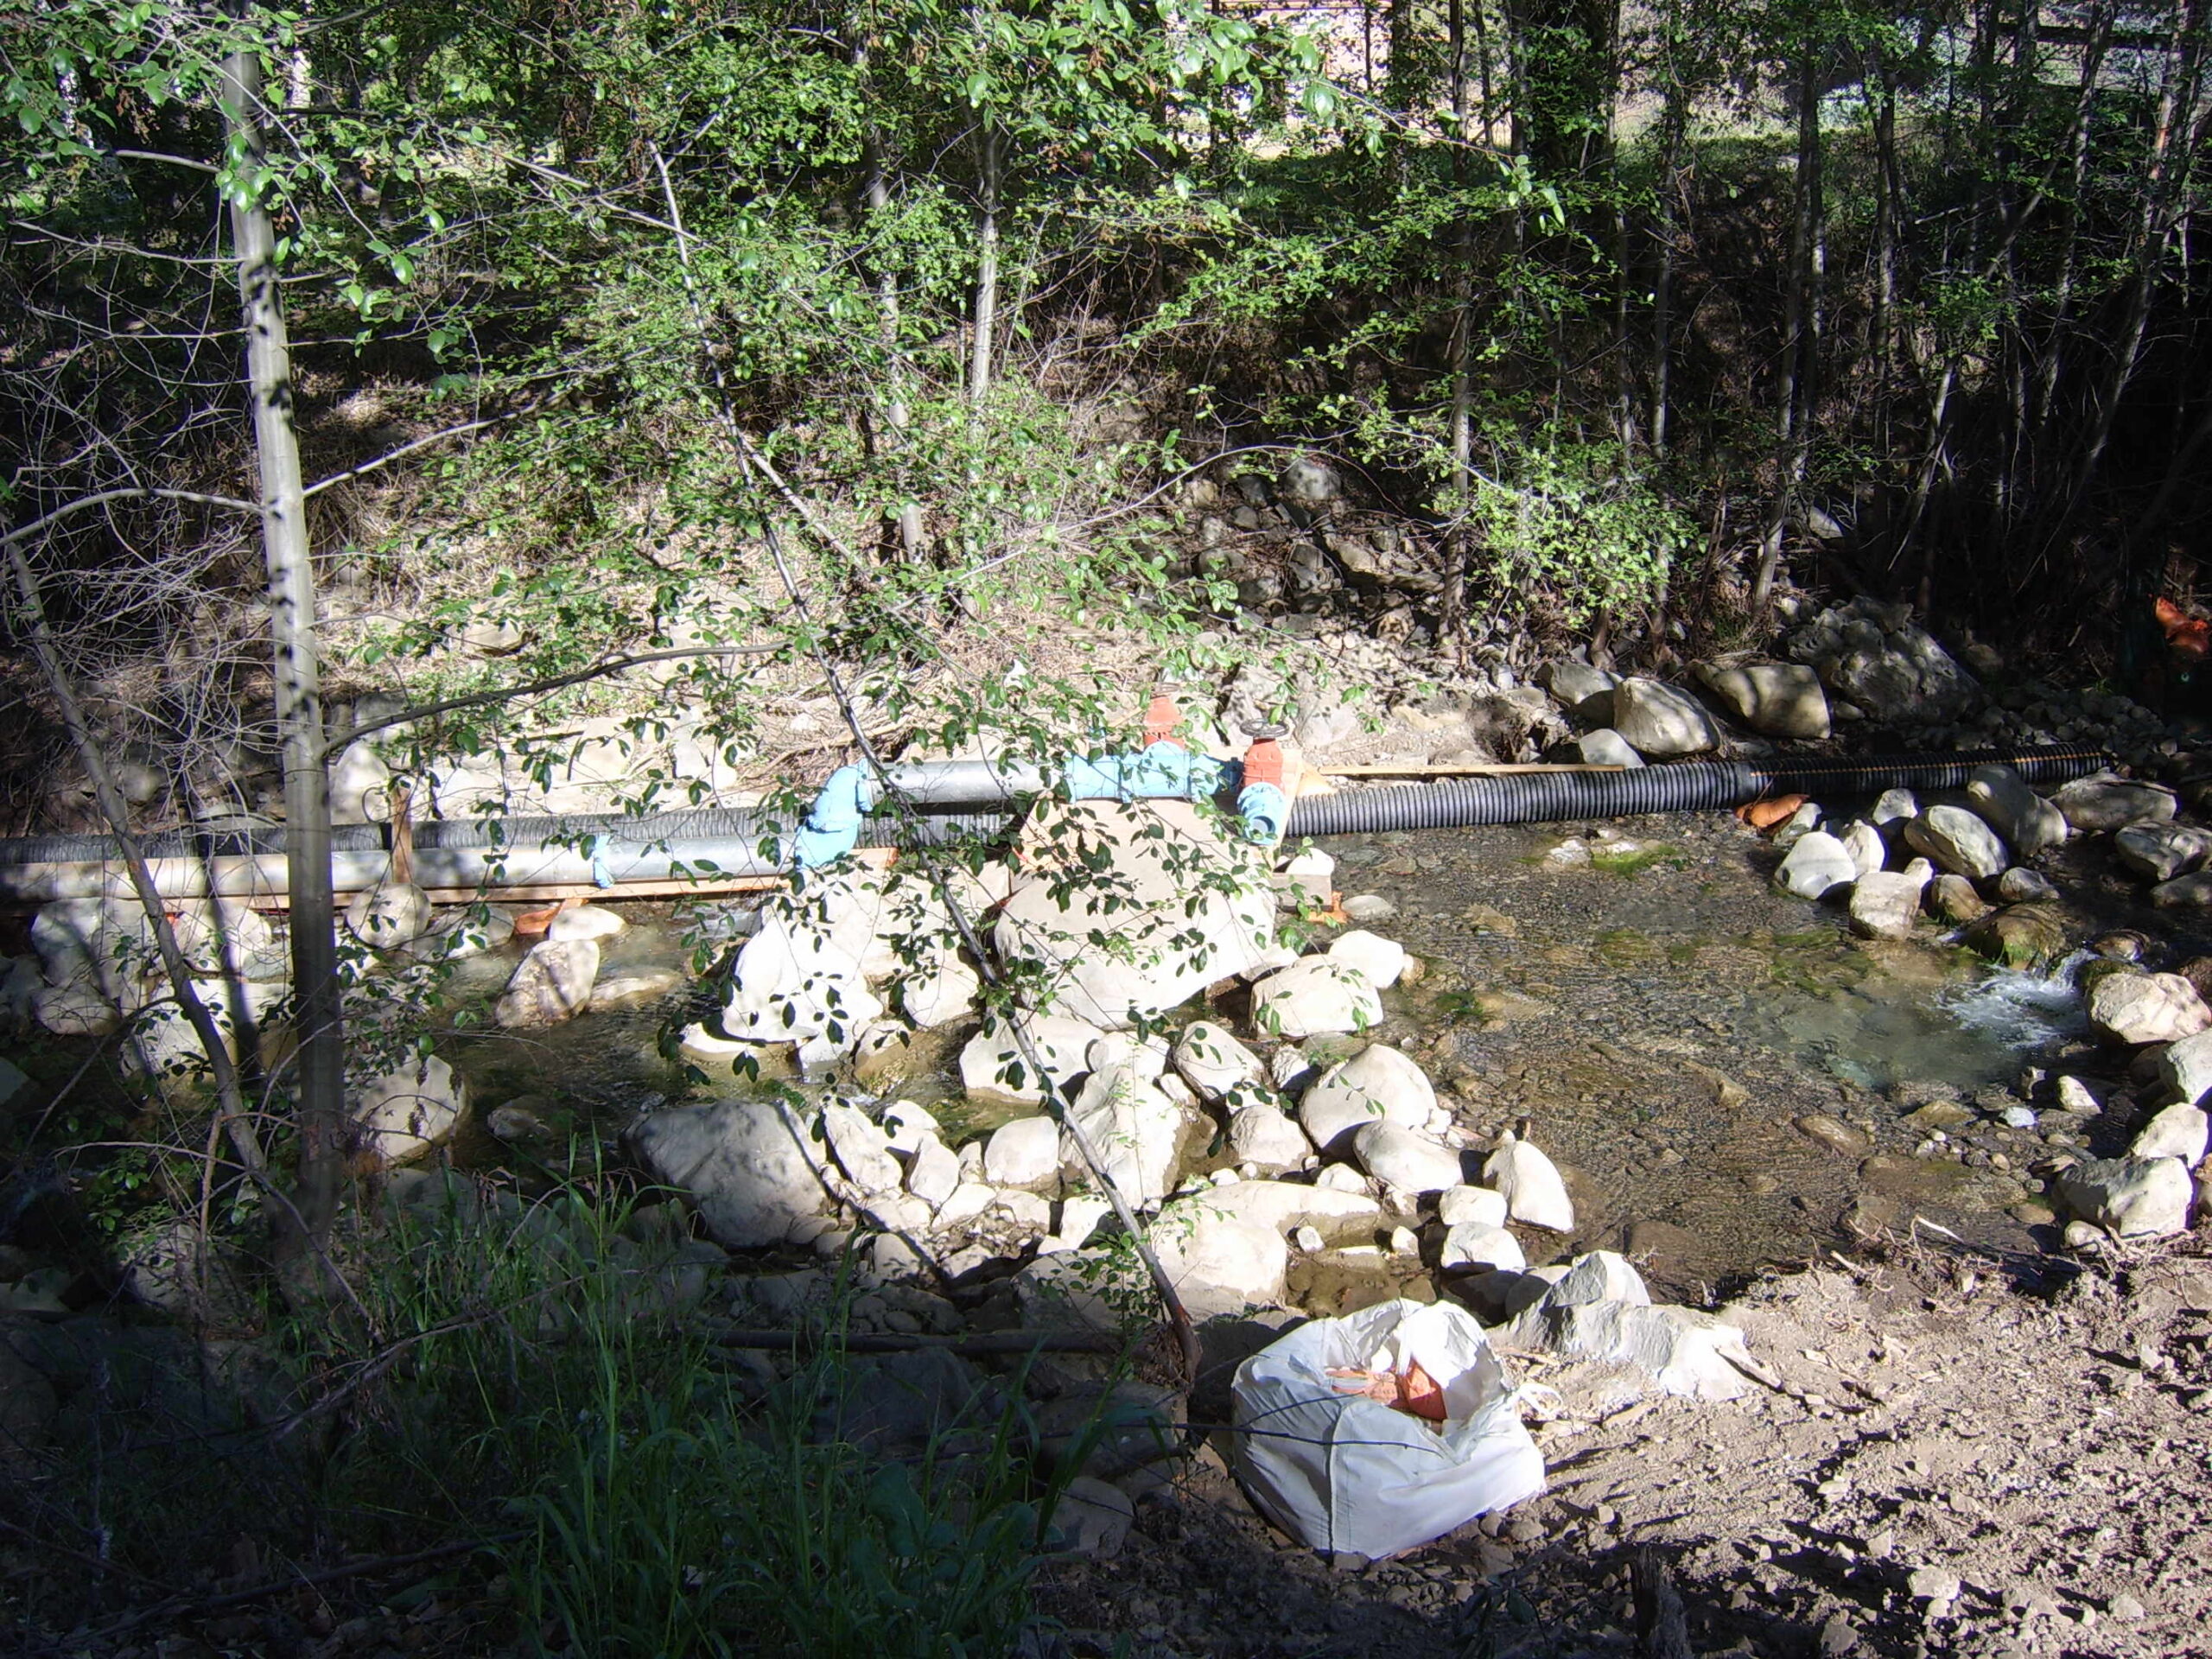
[
  {"x": 1452, "y": 608},
  {"x": 897, "y": 412},
  {"x": 987, "y": 263},
  {"x": 1801, "y": 326},
  {"x": 320, "y": 1065},
  {"x": 1624, "y": 399},
  {"x": 229, "y": 1100},
  {"x": 1887, "y": 188},
  {"x": 1674, "y": 127},
  {"x": 2176, "y": 97},
  {"x": 2053, "y": 354},
  {"x": 1939, "y": 422}
]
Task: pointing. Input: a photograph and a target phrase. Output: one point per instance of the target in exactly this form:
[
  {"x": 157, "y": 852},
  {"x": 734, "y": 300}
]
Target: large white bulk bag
[{"x": 1348, "y": 1474}]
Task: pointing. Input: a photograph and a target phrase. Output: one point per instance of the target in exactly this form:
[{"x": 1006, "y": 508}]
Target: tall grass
[{"x": 640, "y": 1495}]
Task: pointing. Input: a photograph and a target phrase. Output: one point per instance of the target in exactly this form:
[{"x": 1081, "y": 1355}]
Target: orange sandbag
[{"x": 1764, "y": 816}]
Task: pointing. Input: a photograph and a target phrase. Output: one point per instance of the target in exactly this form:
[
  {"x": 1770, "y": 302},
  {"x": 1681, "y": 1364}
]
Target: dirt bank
[{"x": 1965, "y": 1455}]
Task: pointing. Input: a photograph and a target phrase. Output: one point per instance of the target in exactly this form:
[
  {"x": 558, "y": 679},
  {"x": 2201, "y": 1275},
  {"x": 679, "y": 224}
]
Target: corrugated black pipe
[
  {"x": 1513, "y": 797},
  {"x": 1688, "y": 786}
]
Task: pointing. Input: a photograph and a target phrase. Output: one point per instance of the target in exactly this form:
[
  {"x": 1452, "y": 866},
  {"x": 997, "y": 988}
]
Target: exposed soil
[{"x": 2038, "y": 1433}]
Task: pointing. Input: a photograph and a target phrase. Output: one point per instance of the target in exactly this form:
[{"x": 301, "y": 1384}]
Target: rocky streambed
[{"x": 1729, "y": 1076}]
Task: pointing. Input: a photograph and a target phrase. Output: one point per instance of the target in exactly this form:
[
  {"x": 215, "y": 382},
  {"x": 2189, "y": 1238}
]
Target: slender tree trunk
[
  {"x": 1674, "y": 127},
  {"x": 1452, "y": 608},
  {"x": 987, "y": 263},
  {"x": 1939, "y": 421},
  {"x": 2053, "y": 354},
  {"x": 2025, "y": 86},
  {"x": 321, "y": 1062},
  {"x": 1801, "y": 326},
  {"x": 1887, "y": 191},
  {"x": 2176, "y": 94},
  {"x": 230, "y": 1108},
  {"x": 897, "y": 413},
  {"x": 1625, "y": 399},
  {"x": 1482, "y": 69}
]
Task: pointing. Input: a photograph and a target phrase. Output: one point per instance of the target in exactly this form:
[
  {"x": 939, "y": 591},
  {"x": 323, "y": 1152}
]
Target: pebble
[
  {"x": 2075, "y": 1097},
  {"x": 1365, "y": 907},
  {"x": 1832, "y": 1133}
]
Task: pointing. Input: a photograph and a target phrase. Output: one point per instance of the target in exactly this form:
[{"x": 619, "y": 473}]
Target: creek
[{"x": 1640, "y": 990}]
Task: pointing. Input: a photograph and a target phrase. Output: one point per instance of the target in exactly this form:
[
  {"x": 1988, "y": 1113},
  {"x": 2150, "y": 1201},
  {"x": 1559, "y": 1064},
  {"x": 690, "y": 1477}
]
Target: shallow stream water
[{"x": 1664, "y": 1015}]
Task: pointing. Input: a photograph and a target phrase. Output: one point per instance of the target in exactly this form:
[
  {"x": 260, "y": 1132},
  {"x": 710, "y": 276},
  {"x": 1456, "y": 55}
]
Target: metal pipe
[{"x": 484, "y": 855}]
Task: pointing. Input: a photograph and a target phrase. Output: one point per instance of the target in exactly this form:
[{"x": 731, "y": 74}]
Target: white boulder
[
  {"x": 1213, "y": 1062},
  {"x": 1603, "y": 747},
  {"x": 1264, "y": 1135},
  {"x": 2185, "y": 1068},
  {"x": 2147, "y": 1009},
  {"x": 1023, "y": 1152},
  {"x": 1178, "y": 903},
  {"x": 550, "y": 984},
  {"x": 1313, "y": 995},
  {"x": 862, "y": 1149},
  {"x": 1779, "y": 699},
  {"x": 1869, "y": 852},
  {"x": 408, "y": 1110},
  {"x": 1658, "y": 720},
  {"x": 993, "y": 1070},
  {"x": 932, "y": 1172},
  {"x": 1222, "y": 1264},
  {"x": 1460, "y": 1206},
  {"x": 1382, "y": 960},
  {"x": 1377, "y": 1084},
  {"x": 1281, "y": 1205},
  {"x": 2130, "y": 1198},
  {"x": 1406, "y": 1159},
  {"x": 1479, "y": 1244},
  {"x": 1958, "y": 841},
  {"x": 388, "y": 915},
  {"x": 1133, "y": 1131},
  {"x": 2178, "y": 1132},
  {"x": 1684, "y": 1352},
  {"x": 2108, "y": 802},
  {"x": 749, "y": 1165},
  {"x": 1815, "y": 863},
  {"x": 1535, "y": 1190},
  {"x": 585, "y": 922},
  {"x": 1886, "y": 904},
  {"x": 2023, "y": 819},
  {"x": 2161, "y": 851}
]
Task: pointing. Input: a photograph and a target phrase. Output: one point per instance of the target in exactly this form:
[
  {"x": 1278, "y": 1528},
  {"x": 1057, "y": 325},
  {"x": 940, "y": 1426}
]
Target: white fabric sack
[{"x": 1348, "y": 1474}]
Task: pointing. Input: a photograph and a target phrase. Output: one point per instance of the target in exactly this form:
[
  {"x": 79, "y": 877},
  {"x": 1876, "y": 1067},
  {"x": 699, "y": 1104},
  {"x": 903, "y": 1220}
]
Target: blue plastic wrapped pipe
[{"x": 1158, "y": 772}]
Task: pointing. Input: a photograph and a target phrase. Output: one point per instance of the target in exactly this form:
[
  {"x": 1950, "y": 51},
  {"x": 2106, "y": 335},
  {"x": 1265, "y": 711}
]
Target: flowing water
[{"x": 1666, "y": 1018}]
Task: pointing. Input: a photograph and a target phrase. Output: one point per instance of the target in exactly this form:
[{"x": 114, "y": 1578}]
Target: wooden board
[{"x": 705, "y": 888}]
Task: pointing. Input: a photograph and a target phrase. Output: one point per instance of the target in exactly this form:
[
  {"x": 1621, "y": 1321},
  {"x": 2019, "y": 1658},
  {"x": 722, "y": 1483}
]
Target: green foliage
[
  {"x": 644, "y": 1496},
  {"x": 1569, "y": 525},
  {"x": 664, "y": 1534}
]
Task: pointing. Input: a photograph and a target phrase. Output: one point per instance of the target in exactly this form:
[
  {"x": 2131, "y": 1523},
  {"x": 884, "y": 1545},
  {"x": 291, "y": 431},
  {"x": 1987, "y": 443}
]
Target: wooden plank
[{"x": 705, "y": 886}]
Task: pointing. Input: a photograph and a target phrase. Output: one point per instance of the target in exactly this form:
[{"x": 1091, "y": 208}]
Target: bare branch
[
  {"x": 531, "y": 687},
  {"x": 85, "y": 502},
  {"x": 423, "y": 442},
  {"x": 196, "y": 165}
]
